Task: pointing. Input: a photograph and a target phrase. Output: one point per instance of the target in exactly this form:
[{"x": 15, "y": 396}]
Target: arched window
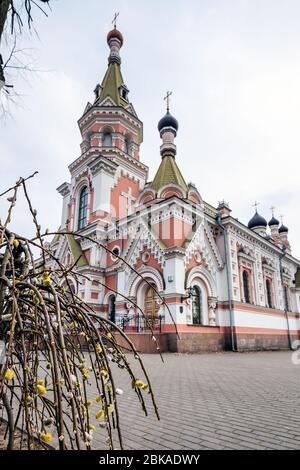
[
  {"x": 197, "y": 306},
  {"x": 269, "y": 293},
  {"x": 83, "y": 203},
  {"x": 107, "y": 139},
  {"x": 246, "y": 286},
  {"x": 126, "y": 145}
]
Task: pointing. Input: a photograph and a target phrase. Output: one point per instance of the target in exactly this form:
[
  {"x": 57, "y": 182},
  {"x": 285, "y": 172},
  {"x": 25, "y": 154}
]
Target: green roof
[
  {"x": 297, "y": 278},
  {"x": 77, "y": 252},
  {"x": 168, "y": 173},
  {"x": 111, "y": 84}
]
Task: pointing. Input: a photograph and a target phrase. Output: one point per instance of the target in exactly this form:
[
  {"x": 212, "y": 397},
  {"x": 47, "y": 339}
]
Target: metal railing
[{"x": 140, "y": 324}]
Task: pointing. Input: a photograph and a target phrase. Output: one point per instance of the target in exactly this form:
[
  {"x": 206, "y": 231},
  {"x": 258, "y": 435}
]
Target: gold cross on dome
[
  {"x": 256, "y": 204},
  {"x": 167, "y": 99},
  {"x": 114, "y": 21}
]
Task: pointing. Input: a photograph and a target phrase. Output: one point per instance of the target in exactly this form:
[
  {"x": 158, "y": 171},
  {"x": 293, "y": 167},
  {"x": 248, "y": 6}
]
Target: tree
[
  {"x": 14, "y": 14},
  {"x": 55, "y": 347}
]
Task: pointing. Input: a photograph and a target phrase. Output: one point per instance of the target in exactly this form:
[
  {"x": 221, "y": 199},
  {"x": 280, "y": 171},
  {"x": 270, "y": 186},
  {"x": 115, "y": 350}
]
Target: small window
[
  {"x": 107, "y": 140},
  {"x": 83, "y": 203},
  {"x": 246, "y": 286},
  {"x": 197, "y": 306},
  {"x": 116, "y": 252},
  {"x": 126, "y": 146}
]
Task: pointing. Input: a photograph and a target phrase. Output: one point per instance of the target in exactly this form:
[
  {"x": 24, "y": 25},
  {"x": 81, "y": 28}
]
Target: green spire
[
  {"x": 110, "y": 86},
  {"x": 168, "y": 173}
]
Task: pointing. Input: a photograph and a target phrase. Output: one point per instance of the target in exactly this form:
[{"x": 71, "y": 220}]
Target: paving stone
[{"x": 215, "y": 401}]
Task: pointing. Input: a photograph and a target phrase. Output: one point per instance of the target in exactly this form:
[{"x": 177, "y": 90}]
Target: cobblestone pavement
[{"x": 215, "y": 401}]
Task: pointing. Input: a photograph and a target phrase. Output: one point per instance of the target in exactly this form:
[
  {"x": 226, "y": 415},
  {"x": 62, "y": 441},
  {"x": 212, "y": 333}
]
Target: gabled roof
[
  {"x": 77, "y": 252},
  {"x": 168, "y": 173},
  {"x": 74, "y": 247}
]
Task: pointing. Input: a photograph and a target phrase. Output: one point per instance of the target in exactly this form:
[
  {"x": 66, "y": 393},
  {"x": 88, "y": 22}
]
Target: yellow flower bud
[
  {"x": 46, "y": 437},
  {"x": 100, "y": 415},
  {"x": 103, "y": 373},
  {"x": 16, "y": 243},
  {"x": 41, "y": 390},
  {"x": 111, "y": 408},
  {"x": 137, "y": 383},
  {"x": 9, "y": 374}
]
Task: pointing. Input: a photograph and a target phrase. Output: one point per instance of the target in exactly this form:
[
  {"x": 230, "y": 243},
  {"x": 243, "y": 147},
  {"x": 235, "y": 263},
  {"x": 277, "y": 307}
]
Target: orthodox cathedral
[{"x": 223, "y": 284}]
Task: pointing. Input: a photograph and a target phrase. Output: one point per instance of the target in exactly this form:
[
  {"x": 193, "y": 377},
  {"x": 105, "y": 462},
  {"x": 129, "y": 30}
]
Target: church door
[{"x": 151, "y": 307}]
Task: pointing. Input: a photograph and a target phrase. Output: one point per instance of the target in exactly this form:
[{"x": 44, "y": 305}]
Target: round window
[{"x": 116, "y": 252}]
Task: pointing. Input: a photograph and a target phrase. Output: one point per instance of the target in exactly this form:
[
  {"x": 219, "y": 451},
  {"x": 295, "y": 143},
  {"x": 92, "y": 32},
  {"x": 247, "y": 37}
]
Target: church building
[{"x": 226, "y": 285}]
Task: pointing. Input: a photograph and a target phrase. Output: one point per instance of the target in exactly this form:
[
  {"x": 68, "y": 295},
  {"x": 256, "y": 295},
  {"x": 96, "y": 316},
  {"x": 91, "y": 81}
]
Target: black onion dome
[
  {"x": 283, "y": 229},
  {"x": 168, "y": 121},
  {"x": 257, "y": 221},
  {"x": 273, "y": 222}
]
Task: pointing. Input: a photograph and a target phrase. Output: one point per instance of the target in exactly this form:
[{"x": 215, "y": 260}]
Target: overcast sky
[{"x": 234, "y": 68}]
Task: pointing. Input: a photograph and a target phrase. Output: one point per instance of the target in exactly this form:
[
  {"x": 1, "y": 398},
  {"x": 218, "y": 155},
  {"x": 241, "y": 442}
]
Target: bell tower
[{"x": 108, "y": 171}]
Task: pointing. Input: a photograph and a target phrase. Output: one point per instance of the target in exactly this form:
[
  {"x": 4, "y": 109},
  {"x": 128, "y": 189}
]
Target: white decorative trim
[
  {"x": 148, "y": 273},
  {"x": 171, "y": 186},
  {"x": 201, "y": 273}
]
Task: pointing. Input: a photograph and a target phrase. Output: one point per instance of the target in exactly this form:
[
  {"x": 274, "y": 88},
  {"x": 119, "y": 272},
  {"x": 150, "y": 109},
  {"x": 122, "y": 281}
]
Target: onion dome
[
  {"x": 115, "y": 34},
  {"x": 283, "y": 229},
  {"x": 257, "y": 221},
  {"x": 273, "y": 222},
  {"x": 168, "y": 121}
]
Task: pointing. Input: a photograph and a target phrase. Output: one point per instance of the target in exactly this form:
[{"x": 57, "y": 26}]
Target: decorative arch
[
  {"x": 170, "y": 190},
  {"x": 203, "y": 275},
  {"x": 204, "y": 286},
  {"x": 72, "y": 285},
  {"x": 146, "y": 196},
  {"x": 107, "y": 133},
  {"x": 194, "y": 196},
  {"x": 134, "y": 281},
  {"x": 82, "y": 213},
  {"x": 84, "y": 182}
]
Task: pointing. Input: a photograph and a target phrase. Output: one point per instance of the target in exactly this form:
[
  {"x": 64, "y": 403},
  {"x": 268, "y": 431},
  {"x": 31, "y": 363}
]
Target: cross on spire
[
  {"x": 256, "y": 204},
  {"x": 281, "y": 218},
  {"x": 167, "y": 99},
  {"x": 114, "y": 21},
  {"x": 272, "y": 209}
]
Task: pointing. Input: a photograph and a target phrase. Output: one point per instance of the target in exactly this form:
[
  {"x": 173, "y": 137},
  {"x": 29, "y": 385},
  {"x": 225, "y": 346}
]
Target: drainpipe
[
  {"x": 282, "y": 255},
  {"x": 232, "y": 335}
]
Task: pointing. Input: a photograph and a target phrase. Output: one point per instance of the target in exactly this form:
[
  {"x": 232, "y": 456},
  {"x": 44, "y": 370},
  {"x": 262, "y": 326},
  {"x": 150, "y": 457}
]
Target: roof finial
[
  {"x": 167, "y": 99},
  {"x": 256, "y": 204},
  {"x": 272, "y": 209},
  {"x": 114, "y": 21},
  {"x": 281, "y": 218}
]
